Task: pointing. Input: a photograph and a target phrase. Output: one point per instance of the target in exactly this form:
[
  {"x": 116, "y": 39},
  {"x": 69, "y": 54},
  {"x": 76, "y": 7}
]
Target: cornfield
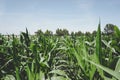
[{"x": 31, "y": 57}]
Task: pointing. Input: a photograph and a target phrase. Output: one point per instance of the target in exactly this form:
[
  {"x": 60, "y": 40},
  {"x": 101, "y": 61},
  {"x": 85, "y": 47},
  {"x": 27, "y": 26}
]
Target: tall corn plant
[
  {"x": 98, "y": 45},
  {"x": 78, "y": 50},
  {"x": 44, "y": 59},
  {"x": 115, "y": 73}
]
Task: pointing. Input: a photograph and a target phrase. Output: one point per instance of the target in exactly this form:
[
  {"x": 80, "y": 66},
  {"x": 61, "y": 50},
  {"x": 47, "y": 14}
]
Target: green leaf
[
  {"x": 58, "y": 78},
  {"x": 98, "y": 44},
  {"x": 59, "y": 72},
  {"x": 9, "y": 77},
  {"x": 117, "y": 31},
  {"x": 110, "y": 71},
  {"x": 17, "y": 74},
  {"x": 117, "y": 68},
  {"x": 30, "y": 75}
]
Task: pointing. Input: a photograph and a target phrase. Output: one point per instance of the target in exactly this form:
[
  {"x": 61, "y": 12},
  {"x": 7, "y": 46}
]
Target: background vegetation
[{"x": 61, "y": 56}]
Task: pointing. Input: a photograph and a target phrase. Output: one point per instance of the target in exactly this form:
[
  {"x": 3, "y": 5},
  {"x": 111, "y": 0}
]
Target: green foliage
[
  {"x": 62, "y": 32},
  {"x": 45, "y": 56},
  {"x": 98, "y": 45},
  {"x": 109, "y": 29},
  {"x": 48, "y": 33}
]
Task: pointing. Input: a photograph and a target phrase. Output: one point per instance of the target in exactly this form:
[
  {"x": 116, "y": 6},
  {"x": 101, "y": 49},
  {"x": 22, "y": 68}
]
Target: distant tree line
[{"x": 108, "y": 30}]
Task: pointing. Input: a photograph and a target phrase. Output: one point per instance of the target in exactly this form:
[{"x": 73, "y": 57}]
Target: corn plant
[{"x": 41, "y": 57}]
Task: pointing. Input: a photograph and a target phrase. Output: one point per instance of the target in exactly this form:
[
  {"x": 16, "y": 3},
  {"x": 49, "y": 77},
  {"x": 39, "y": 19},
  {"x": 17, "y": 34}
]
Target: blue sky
[{"x": 74, "y": 15}]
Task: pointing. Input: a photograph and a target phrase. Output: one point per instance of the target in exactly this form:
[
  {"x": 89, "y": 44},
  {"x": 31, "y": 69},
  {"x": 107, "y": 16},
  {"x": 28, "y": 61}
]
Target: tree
[
  {"x": 72, "y": 34},
  {"x": 65, "y": 32},
  {"x": 48, "y": 33},
  {"x": 94, "y": 33},
  {"x": 109, "y": 29},
  {"x": 60, "y": 32},
  {"x": 79, "y": 33},
  {"x": 39, "y": 32},
  {"x": 88, "y": 34}
]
